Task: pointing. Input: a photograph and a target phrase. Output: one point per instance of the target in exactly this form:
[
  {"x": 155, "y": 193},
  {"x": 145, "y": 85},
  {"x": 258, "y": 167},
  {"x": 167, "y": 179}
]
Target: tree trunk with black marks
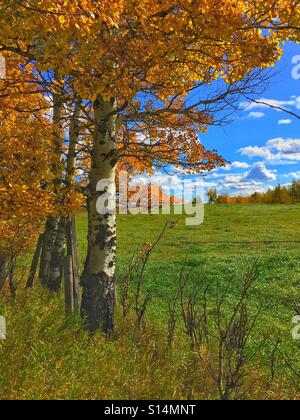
[
  {"x": 58, "y": 253},
  {"x": 98, "y": 278},
  {"x": 11, "y": 277},
  {"x": 54, "y": 282},
  {"x": 48, "y": 242},
  {"x": 35, "y": 262},
  {"x": 3, "y": 271},
  {"x": 52, "y": 226},
  {"x": 73, "y": 141},
  {"x": 71, "y": 237}
]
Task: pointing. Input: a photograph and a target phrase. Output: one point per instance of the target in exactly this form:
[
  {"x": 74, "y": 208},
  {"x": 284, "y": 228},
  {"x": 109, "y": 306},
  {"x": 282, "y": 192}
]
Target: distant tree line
[{"x": 279, "y": 195}]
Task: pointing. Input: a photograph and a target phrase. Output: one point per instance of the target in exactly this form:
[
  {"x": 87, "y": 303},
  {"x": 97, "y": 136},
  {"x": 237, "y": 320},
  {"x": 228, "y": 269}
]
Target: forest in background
[{"x": 288, "y": 194}]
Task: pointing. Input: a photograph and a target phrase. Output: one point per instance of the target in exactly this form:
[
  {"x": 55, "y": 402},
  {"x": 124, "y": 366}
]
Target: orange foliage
[
  {"x": 226, "y": 199},
  {"x": 28, "y": 194},
  {"x": 26, "y": 188}
]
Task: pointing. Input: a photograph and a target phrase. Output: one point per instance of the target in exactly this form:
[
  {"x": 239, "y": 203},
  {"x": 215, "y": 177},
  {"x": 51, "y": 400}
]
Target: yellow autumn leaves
[
  {"x": 27, "y": 157},
  {"x": 117, "y": 48}
]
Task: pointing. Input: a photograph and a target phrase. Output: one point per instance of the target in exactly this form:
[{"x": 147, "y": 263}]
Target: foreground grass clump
[{"x": 46, "y": 358}]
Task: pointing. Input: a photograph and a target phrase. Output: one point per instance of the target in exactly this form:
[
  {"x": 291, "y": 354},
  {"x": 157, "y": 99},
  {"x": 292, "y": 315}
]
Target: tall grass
[{"x": 47, "y": 357}]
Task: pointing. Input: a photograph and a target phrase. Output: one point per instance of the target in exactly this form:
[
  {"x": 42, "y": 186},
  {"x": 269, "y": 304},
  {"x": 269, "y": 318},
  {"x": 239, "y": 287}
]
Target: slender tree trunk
[
  {"x": 58, "y": 253},
  {"x": 3, "y": 271},
  {"x": 69, "y": 293},
  {"x": 72, "y": 251},
  {"x": 74, "y": 137},
  {"x": 98, "y": 278},
  {"x": 11, "y": 277},
  {"x": 35, "y": 262},
  {"x": 48, "y": 272},
  {"x": 49, "y": 238},
  {"x": 72, "y": 276},
  {"x": 57, "y": 258}
]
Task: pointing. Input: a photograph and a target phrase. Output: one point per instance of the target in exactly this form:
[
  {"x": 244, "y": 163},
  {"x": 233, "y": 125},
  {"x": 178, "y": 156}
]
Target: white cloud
[
  {"x": 286, "y": 146},
  {"x": 219, "y": 174},
  {"x": 226, "y": 177},
  {"x": 242, "y": 188},
  {"x": 260, "y": 173},
  {"x": 237, "y": 165},
  {"x": 214, "y": 175},
  {"x": 241, "y": 185},
  {"x": 256, "y": 115},
  {"x": 256, "y": 151},
  {"x": 285, "y": 122},
  {"x": 276, "y": 151},
  {"x": 293, "y": 102},
  {"x": 233, "y": 178},
  {"x": 233, "y": 165},
  {"x": 159, "y": 179},
  {"x": 257, "y": 179},
  {"x": 294, "y": 175}
]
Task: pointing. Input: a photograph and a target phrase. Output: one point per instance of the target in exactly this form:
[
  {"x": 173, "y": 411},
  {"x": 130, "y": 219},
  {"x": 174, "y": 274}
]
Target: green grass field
[
  {"x": 230, "y": 240},
  {"x": 44, "y": 358}
]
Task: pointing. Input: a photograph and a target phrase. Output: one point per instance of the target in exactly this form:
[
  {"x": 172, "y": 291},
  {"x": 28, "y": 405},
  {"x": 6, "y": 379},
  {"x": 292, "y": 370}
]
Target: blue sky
[{"x": 263, "y": 144}]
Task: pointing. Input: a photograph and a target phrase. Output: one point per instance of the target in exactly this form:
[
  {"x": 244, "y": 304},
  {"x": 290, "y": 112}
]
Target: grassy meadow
[{"x": 45, "y": 357}]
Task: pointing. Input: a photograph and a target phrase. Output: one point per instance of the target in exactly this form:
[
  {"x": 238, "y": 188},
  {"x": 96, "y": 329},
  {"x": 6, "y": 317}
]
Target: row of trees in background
[{"x": 288, "y": 194}]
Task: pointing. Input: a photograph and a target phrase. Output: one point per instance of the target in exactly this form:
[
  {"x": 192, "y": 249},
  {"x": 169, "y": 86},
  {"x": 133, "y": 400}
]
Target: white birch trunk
[
  {"x": 54, "y": 282},
  {"x": 98, "y": 279},
  {"x": 58, "y": 253},
  {"x": 48, "y": 274}
]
